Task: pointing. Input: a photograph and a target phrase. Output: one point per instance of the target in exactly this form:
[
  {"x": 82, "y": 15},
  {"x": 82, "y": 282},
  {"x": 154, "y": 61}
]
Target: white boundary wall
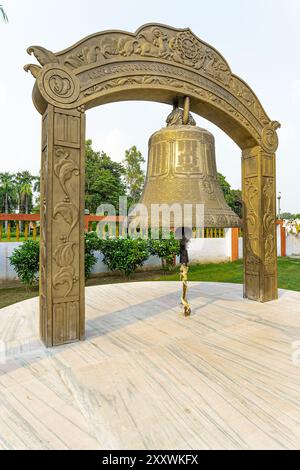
[
  {"x": 293, "y": 245},
  {"x": 201, "y": 250},
  {"x": 210, "y": 250},
  {"x": 7, "y": 272}
]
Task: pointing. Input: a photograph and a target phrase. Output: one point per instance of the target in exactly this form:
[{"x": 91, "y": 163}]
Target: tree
[
  {"x": 8, "y": 192},
  {"x": 24, "y": 181},
  {"x": 103, "y": 179},
  {"x": 3, "y": 14},
  {"x": 134, "y": 175},
  {"x": 225, "y": 186},
  {"x": 37, "y": 189},
  {"x": 235, "y": 201},
  {"x": 233, "y": 197},
  {"x": 26, "y": 195},
  {"x": 37, "y": 184}
]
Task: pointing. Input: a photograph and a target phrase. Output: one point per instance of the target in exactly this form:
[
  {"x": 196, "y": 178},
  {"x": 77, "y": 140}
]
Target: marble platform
[{"x": 228, "y": 377}]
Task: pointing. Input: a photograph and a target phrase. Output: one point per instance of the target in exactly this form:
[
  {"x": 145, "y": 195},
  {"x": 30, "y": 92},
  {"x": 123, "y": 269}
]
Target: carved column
[
  {"x": 259, "y": 206},
  {"x": 62, "y": 226}
]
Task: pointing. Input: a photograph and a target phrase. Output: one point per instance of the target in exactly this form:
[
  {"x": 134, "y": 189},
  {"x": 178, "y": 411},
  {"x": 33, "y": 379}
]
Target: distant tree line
[{"x": 289, "y": 215}]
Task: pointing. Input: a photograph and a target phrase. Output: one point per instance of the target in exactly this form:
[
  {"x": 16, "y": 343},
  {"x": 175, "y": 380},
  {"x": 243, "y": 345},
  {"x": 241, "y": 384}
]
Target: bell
[{"x": 182, "y": 170}]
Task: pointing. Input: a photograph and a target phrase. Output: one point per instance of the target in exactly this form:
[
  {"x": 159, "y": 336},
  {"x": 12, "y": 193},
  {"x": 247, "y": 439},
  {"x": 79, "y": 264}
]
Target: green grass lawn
[
  {"x": 212, "y": 272},
  {"x": 288, "y": 278},
  {"x": 11, "y": 295},
  {"x": 288, "y": 273}
]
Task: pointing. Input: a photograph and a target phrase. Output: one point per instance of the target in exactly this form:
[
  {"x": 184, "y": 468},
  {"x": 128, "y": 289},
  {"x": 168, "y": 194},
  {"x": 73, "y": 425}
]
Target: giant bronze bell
[{"x": 182, "y": 169}]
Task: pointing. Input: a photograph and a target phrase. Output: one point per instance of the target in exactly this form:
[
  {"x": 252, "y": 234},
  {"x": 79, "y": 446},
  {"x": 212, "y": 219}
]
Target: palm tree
[
  {"x": 26, "y": 194},
  {"x": 37, "y": 184},
  {"x": 37, "y": 189},
  {"x": 23, "y": 179},
  {"x": 8, "y": 193},
  {"x": 3, "y": 14}
]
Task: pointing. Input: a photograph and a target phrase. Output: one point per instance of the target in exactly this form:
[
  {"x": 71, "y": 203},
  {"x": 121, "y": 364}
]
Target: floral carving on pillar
[
  {"x": 269, "y": 220},
  {"x": 65, "y": 169}
]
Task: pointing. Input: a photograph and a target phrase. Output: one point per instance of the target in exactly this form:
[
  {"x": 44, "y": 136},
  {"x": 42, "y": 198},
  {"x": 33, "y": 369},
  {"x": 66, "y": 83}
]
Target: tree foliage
[
  {"x": 289, "y": 216},
  {"x": 24, "y": 184},
  {"x": 233, "y": 197},
  {"x": 8, "y": 192},
  {"x": 103, "y": 179},
  {"x": 134, "y": 175},
  {"x": 16, "y": 191}
]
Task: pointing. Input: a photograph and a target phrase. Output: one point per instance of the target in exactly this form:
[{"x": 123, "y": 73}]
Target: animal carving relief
[
  {"x": 182, "y": 47},
  {"x": 150, "y": 41}
]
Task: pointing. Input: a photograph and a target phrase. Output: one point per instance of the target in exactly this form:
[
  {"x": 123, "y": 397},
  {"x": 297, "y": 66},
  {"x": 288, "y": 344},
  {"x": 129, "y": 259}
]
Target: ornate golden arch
[{"x": 157, "y": 63}]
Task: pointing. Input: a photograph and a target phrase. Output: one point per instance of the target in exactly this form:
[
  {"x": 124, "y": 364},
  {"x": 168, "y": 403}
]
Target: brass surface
[
  {"x": 156, "y": 63},
  {"x": 182, "y": 170}
]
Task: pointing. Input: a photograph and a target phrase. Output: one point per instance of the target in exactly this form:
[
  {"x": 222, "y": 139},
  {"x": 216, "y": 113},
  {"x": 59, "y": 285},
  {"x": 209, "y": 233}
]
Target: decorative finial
[{"x": 34, "y": 69}]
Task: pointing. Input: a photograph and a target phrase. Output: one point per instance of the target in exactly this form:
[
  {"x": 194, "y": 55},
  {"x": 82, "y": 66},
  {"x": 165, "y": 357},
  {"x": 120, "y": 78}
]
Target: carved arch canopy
[{"x": 156, "y": 63}]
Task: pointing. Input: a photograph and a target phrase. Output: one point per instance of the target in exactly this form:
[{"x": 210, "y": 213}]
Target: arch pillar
[
  {"x": 62, "y": 226},
  {"x": 259, "y": 216}
]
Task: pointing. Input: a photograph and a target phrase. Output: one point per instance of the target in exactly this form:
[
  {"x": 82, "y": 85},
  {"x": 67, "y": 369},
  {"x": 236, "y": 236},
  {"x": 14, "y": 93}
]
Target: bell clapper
[
  {"x": 184, "y": 259},
  {"x": 183, "y": 277}
]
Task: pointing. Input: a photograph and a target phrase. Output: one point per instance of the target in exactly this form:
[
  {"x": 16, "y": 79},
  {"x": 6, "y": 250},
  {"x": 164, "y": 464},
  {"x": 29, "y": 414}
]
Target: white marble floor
[{"x": 148, "y": 378}]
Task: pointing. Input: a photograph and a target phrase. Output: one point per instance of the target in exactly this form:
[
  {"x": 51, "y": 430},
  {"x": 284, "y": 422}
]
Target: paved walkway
[{"x": 149, "y": 378}]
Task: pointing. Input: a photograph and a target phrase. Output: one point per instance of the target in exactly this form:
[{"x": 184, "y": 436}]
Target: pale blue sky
[{"x": 260, "y": 39}]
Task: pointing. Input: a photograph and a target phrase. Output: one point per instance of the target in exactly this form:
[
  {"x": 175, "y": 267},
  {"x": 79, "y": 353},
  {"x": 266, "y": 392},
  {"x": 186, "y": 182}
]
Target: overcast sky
[{"x": 260, "y": 39}]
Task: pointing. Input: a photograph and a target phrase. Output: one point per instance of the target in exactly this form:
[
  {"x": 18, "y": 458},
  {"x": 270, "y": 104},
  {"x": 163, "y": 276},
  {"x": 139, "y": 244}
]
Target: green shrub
[
  {"x": 92, "y": 244},
  {"x": 25, "y": 260},
  {"x": 124, "y": 254},
  {"x": 166, "y": 249}
]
